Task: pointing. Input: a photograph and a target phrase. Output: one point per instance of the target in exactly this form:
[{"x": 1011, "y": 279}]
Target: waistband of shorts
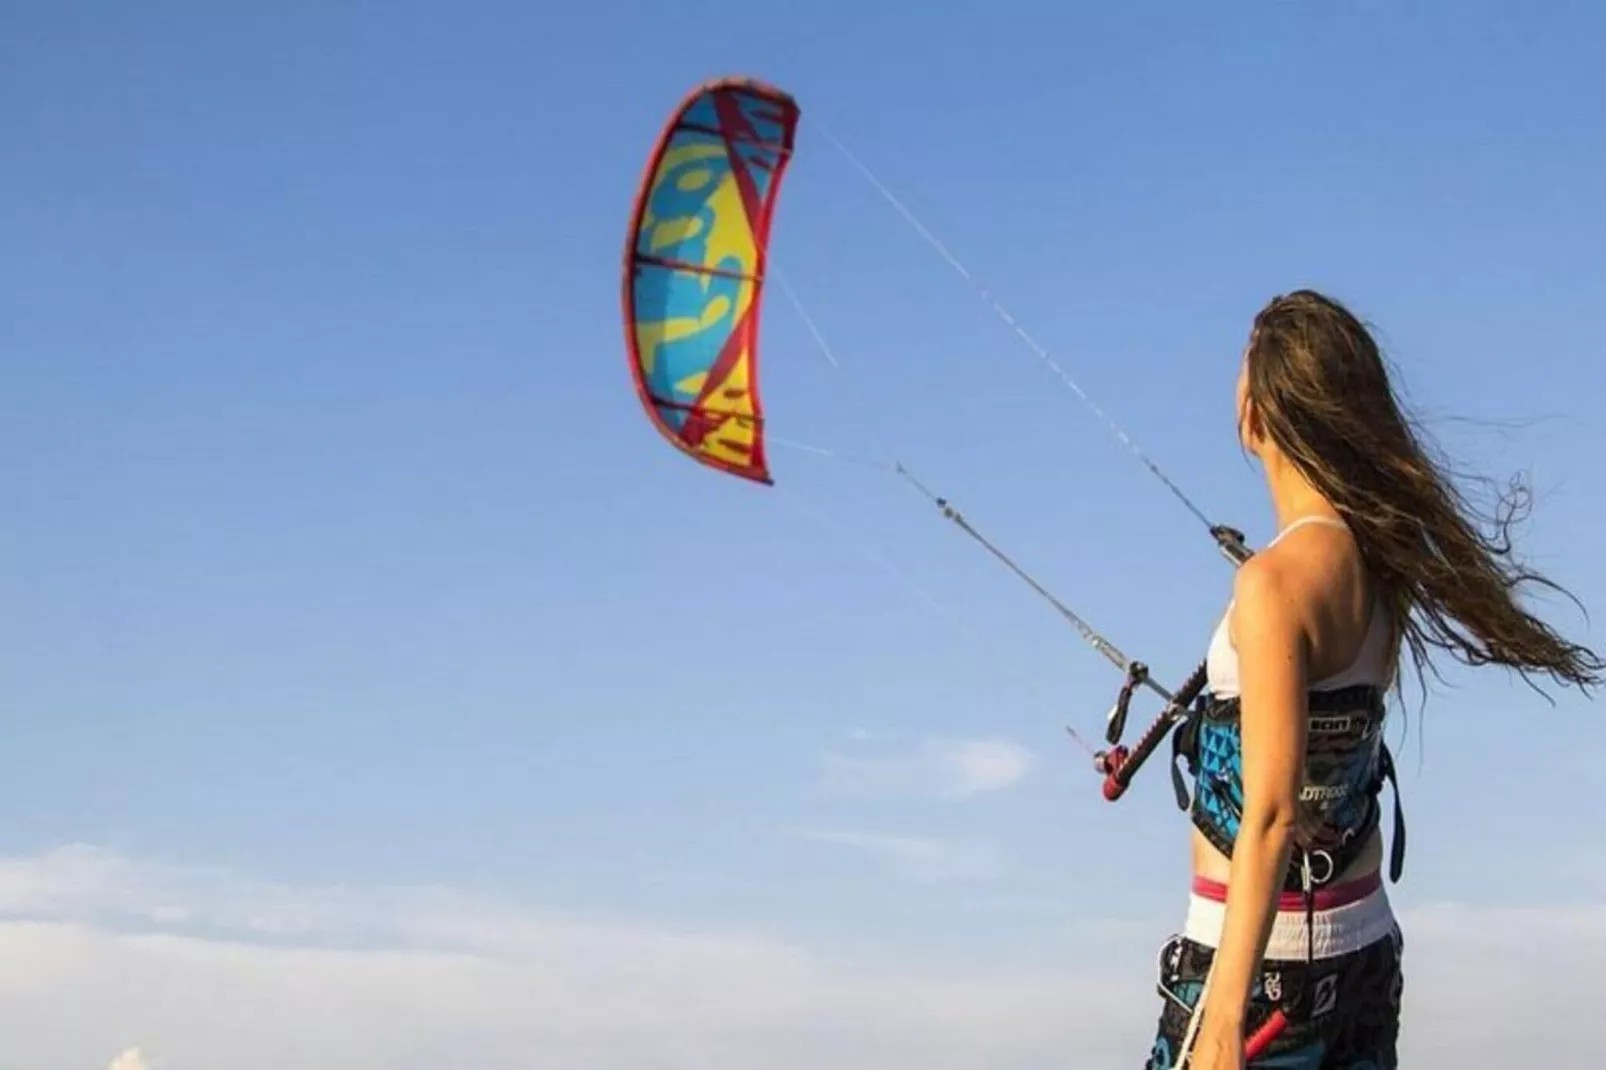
[
  {"x": 1328, "y": 898},
  {"x": 1353, "y": 918}
]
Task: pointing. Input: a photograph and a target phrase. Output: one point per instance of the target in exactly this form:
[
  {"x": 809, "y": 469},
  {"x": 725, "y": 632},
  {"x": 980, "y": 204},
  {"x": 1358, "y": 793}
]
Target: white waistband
[{"x": 1337, "y": 931}]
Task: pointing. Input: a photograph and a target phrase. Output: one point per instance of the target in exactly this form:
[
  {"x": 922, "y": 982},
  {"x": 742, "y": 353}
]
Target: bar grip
[{"x": 1121, "y": 764}]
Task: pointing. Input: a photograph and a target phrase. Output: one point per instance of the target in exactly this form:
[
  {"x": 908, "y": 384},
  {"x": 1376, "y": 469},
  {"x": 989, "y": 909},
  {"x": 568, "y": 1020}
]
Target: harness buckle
[{"x": 1327, "y": 873}]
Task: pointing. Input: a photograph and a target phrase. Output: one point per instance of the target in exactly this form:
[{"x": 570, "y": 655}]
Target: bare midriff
[{"x": 1212, "y": 865}]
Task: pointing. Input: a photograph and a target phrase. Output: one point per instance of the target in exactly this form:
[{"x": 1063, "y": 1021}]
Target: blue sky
[{"x": 338, "y": 551}]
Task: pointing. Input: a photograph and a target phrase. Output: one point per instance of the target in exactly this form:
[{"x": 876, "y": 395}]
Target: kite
[{"x": 694, "y": 270}]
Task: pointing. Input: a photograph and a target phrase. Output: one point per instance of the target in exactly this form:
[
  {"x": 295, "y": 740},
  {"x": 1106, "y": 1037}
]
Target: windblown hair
[{"x": 1320, "y": 390}]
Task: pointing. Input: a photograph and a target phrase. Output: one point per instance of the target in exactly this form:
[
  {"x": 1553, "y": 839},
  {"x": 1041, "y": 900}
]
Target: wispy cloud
[
  {"x": 132, "y": 1059},
  {"x": 936, "y": 767},
  {"x": 96, "y": 949},
  {"x": 919, "y": 858},
  {"x": 214, "y": 969}
]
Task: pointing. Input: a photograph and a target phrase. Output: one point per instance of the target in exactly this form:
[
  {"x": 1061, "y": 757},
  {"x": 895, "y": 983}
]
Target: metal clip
[{"x": 1232, "y": 543}]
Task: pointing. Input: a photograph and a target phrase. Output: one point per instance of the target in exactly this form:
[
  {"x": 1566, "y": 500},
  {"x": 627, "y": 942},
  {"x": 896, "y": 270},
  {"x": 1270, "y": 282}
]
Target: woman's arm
[{"x": 1268, "y": 633}]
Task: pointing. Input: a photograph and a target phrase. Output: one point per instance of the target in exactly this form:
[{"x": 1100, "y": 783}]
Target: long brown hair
[{"x": 1320, "y": 390}]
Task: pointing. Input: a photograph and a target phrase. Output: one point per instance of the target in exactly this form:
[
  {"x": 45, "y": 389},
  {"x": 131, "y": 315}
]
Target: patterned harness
[{"x": 1346, "y": 763}]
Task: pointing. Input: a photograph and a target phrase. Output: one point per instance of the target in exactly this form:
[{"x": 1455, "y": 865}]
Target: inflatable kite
[{"x": 694, "y": 270}]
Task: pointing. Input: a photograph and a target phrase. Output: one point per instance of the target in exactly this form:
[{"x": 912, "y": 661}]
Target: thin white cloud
[
  {"x": 936, "y": 767},
  {"x": 982, "y": 765},
  {"x": 96, "y": 949},
  {"x": 132, "y": 1059},
  {"x": 919, "y": 858}
]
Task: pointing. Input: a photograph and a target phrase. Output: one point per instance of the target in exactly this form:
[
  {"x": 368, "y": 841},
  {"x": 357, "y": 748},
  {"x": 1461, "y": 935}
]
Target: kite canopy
[{"x": 694, "y": 270}]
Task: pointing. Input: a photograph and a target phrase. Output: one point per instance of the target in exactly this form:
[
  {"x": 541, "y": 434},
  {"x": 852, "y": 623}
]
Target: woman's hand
[{"x": 1219, "y": 1044}]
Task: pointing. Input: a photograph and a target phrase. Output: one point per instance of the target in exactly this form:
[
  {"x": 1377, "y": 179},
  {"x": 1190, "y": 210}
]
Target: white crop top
[{"x": 1372, "y": 664}]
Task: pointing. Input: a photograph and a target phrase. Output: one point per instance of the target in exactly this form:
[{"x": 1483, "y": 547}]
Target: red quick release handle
[
  {"x": 1119, "y": 765},
  {"x": 1110, "y": 763},
  {"x": 1261, "y": 1038},
  {"x": 1122, "y": 764}
]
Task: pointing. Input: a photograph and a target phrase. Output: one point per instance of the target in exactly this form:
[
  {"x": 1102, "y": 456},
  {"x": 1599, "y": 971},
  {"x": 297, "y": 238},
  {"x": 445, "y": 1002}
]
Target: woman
[{"x": 1289, "y": 930}]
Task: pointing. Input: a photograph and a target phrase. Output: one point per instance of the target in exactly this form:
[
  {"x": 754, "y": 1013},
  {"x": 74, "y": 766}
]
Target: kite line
[
  {"x": 1118, "y": 764},
  {"x": 943, "y": 505},
  {"x": 986, "y": 295},
  {"x": 696, "y": 266}
]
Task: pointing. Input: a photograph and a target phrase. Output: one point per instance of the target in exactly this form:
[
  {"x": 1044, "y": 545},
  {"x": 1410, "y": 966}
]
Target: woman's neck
[{"x": 1292, "y": 495}]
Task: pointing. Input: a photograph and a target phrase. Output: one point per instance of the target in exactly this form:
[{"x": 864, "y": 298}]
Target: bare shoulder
[
  {"x": 1273, "y": 595},
  {"x": 1267, "y": 581}
]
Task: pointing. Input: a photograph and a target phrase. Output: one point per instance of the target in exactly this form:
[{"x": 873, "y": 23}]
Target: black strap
[
  {"x": 1185, "y": 751},
  {"x": 1397, "y": 847},
  {"x": 1310, "y": 924}
]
